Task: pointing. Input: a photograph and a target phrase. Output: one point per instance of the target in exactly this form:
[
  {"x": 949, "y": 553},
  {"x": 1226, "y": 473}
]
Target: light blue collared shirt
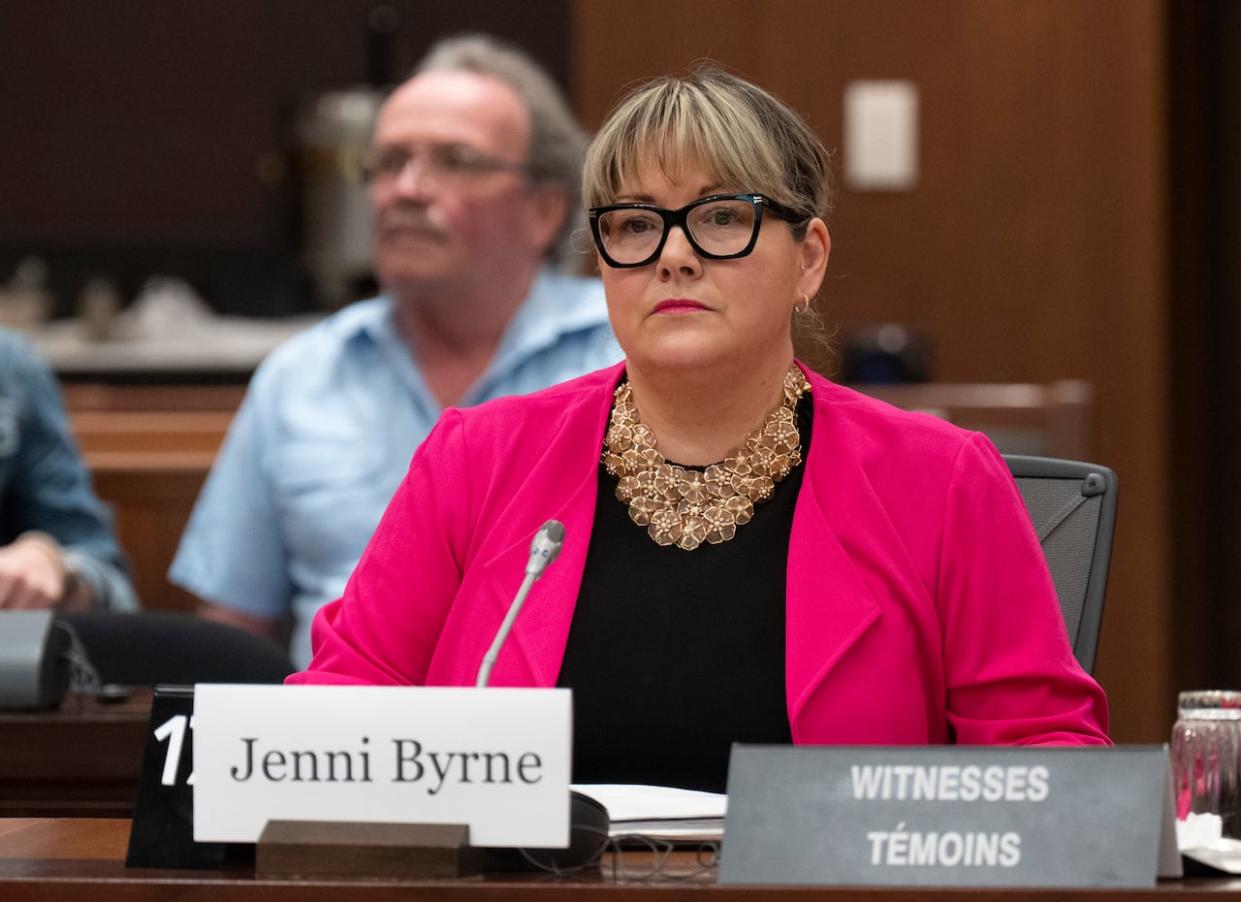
[{"x": 325, "y": 435}]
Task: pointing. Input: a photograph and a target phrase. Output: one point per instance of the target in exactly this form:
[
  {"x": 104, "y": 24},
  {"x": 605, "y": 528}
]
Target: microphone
[
  {"x": 543, "y": 550},
  {"x": 545, "y": 547}
]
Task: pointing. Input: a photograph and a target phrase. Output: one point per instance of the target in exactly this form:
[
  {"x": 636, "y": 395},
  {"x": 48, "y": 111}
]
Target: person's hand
[{"x": 32, "y": 573}]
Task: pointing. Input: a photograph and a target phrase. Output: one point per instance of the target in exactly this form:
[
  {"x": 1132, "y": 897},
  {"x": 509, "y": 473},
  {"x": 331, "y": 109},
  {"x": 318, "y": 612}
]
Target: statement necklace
[{"x": 688, "y": 507}]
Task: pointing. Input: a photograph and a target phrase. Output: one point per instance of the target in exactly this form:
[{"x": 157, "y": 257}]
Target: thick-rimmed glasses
[
  {"x": 719, "y": 227},
  {"x": 438, "y": 163}
]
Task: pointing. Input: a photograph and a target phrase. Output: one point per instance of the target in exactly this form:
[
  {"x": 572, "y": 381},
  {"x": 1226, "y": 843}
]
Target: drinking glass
[{"x": 1206, "y": 764}]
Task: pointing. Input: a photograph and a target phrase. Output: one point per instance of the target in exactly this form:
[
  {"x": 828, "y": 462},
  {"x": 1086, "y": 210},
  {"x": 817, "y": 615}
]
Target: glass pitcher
[{"x": 1206, "y": 762}]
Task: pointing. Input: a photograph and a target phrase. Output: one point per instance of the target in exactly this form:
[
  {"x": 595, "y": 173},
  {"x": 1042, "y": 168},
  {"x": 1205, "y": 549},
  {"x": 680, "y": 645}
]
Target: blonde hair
[
  {"x": 748, "y": 139},
  {"x": 745, "y": 137}
]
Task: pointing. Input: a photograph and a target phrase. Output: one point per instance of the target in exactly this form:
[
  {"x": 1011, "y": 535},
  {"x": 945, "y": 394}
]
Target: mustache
[{"x": 410, "y": 217}]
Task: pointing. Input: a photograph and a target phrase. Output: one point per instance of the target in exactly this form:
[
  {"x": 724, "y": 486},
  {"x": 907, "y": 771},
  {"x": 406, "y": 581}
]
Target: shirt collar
[
  {"x": 557, "y": 305},
  {"x": 374, "y": 322}
]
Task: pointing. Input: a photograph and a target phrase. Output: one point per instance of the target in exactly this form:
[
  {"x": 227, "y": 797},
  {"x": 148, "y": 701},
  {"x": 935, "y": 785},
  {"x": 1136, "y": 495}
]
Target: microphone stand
[
  {"x": 489, "y": 659},
  {"x": 543, "y": 550}
]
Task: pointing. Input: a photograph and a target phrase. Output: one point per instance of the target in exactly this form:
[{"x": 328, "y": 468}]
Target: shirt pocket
[
  {"x": 309, "y": 466},
  {"x": 329, "y": 495}
]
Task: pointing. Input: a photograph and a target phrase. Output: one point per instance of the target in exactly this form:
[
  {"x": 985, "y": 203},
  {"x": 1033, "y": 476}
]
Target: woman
[{"x": 817, "y": 567}]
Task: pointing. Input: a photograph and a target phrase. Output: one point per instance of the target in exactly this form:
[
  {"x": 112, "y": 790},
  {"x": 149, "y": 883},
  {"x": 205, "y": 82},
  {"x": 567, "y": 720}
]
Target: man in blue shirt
[
  {"x": 474, "y": 184},
  {"x": 56, "y": 543}
]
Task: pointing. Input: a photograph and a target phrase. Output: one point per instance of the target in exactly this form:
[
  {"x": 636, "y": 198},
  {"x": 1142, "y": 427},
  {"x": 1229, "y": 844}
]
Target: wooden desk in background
[
  {"x": 150, "y": 446},
  {"x": 149, "y": 467},
  {"x": 69, "y": 860},
  {"x": 79, "y": 760}
]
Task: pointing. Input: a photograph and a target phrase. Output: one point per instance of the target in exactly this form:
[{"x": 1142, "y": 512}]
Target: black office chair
[
  {"x": 1073, "y": 508},
  {"x": 151, "y": 647}
]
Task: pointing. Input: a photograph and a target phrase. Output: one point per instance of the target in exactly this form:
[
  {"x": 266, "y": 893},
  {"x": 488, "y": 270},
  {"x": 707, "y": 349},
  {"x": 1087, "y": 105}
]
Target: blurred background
[{"x": 1065, "y": 206}]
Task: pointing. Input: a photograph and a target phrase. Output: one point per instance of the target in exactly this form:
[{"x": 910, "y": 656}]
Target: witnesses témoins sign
[{"x": 948, "y": 816}]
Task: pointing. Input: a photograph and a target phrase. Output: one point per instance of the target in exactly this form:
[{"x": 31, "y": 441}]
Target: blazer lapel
[
  {"x": 829, "y": 606},
  {"x": 563, "y": 486},
  {"x": 535, "y": 647}
]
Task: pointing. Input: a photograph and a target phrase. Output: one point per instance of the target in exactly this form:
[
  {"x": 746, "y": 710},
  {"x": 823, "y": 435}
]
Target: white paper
[
  {"x": 1225, "y": 855},
  {"x": 660, "y": 812},
  {"x": 1199, "y": 831},
  {"x": 636, "y": 802}
]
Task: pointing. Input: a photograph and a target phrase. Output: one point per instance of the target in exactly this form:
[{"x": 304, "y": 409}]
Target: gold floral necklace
[{"x": 688, "y": 507}]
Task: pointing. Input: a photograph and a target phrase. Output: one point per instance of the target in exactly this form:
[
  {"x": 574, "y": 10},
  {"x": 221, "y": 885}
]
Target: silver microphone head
[{"x": 545, "y": 546}]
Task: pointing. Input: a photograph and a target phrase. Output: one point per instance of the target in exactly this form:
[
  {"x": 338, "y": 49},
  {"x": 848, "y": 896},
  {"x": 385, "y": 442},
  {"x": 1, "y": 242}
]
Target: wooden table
[
  {"x": 79, "y": 760},
  {"x": 67, "y": 860}
]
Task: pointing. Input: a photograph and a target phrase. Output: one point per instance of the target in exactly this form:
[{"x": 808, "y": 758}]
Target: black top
[{"x": 674, "y": 655}]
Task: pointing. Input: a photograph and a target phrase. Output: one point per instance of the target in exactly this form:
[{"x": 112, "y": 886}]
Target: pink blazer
[{"x": 920, "y": 609}]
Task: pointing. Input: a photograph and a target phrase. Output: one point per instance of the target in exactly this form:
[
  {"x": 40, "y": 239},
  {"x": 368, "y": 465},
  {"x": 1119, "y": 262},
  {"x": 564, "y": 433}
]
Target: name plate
[
  {"x": 948, "y": 816},
  {"x": 497, "y": 760}
]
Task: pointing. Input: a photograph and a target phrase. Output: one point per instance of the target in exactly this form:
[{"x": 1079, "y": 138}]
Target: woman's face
[{"x": 684, "y": 311}]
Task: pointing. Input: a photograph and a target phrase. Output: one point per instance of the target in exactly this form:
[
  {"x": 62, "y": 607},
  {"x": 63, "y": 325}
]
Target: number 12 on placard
[
  {"x": 162, "y": 831},
  {"x": 173, "y": 730}
]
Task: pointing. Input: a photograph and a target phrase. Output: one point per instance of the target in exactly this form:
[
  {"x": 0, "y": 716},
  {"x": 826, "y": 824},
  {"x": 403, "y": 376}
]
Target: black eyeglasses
[{"x": 719, "y": 227}]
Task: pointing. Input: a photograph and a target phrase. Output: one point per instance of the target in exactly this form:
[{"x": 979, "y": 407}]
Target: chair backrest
[
  {"x": 1073, "y": 508},
  {"x": 151, "y": 647}
]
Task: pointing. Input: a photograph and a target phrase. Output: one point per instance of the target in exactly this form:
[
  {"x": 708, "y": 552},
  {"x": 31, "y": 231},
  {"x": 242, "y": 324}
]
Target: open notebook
[{"x": 660, "y": 812}]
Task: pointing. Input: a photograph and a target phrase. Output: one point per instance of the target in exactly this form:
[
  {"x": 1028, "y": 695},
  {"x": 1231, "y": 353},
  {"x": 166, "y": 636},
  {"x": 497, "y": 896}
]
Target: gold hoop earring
[{"x": 803, "y": 305}]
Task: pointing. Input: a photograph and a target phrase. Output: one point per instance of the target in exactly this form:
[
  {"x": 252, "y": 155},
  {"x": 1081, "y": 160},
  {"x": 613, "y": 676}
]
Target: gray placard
[{"x": 931, "y": 816}]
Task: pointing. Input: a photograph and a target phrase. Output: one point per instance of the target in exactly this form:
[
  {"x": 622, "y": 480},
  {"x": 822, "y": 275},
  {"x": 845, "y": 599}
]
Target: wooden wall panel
[
  {"x": 154, "y": 120},
  {"x": 151, "y": 505},
  {"x": 1205, "y": 234},
  {"x": 145, "y": 137},
  {"x": 149, "y": 466},
  {"x": 1033, "y": 248}
]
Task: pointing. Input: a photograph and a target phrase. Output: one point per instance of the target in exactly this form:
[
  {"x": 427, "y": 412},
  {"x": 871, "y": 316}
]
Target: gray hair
[{"x": 557, "y": 142}]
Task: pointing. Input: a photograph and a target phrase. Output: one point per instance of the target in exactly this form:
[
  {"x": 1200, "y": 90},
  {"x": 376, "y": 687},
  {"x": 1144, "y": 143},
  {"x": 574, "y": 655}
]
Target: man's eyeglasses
[
  {"x": 440, "y": 163},
  {"x": 719, "y": 227}
]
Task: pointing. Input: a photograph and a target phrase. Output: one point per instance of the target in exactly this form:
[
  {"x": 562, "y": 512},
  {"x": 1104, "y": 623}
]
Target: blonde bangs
[{"x": 674, "y": 125}]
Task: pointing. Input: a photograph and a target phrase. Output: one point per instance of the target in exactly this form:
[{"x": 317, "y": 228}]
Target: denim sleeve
[
  {"x": 52, "y": 492},
  {"x": 232, "y": 552}
]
